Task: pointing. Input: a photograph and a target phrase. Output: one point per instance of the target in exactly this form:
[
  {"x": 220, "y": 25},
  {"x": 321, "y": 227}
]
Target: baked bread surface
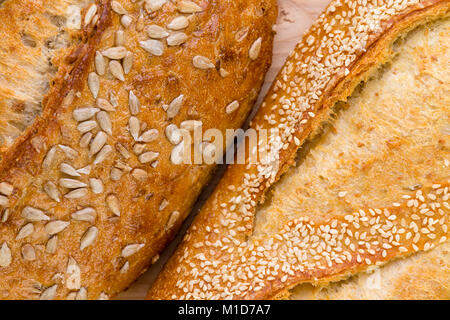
[
  {"x": 89, "y": 197},
  {"x": 365, "y": 95}
]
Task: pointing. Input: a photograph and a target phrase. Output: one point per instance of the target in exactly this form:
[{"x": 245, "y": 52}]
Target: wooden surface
[{"x": 294, "y": 17}]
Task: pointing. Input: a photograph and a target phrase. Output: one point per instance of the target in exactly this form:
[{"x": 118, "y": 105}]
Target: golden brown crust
[
  {"x": 130, "y": 219},
  {"x": 321, "y": 71}
]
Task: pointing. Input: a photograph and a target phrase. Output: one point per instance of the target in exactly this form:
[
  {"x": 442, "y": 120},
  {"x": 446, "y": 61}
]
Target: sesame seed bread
[
  {"x": 353, "y": 202},
  {"x": 89, "y": 194}
]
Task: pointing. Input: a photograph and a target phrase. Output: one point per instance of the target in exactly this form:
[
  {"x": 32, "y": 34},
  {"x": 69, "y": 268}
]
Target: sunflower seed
[
  {"x": 154, "y": 47},
  {"x": 4, "y": 201},
  {"x": 125, "y": 267},
  {"x": 113, "y": 204},
  {"x": 81, "y": 294},
  {"x": 52, "y": 191},
  {"x": 49, "y": 293},
  {"x": 223, "y": 73},
  {"x": 203, "y": 63},
  {"x": 87, "y": 126},
  {"x": 87, "y": 214},
  {"x": 76, "y": 194},
  {"x": 95, "y": 19},
  {"x": 68, "y": 151},
  {"x": 28, "y": 252},
  {"x": 209, "y": 152},
  {"x": 69, "y": 170},
  {"x": 96, "y": 185},
  {"x": 253, "y": 53},
  {"x": 174, "y": 106},
  {"x": 34, "y": 215},
  {"x": 176, "y": 39},
  {"x": 127, "y": 62},
  {"x": 115, "y": 53},
  {"x": 90, "y": 13},
  {"x": 177, "y": 153},
  {"x": 5, "y": 255},
  {"x": 123, "y": 151},
  {"x": 138, "y": 148},
  {"x": 126, "y": 21},
  {"x": 71, "y": 183},
  {"x": 56, "y": 226},
  {"x": 122, "y": 166},
  {"x": 105, "y": 122},
  {"x": 85, "y": 170},
  {"x": 148, "y": 157},
  {"x": 52, "y": 244},
  {"x": 149, "y": 136},
  {"x": 119, "y": 38},
  {"x": 6, "y": 188},
  {"x": 116, "y": 70},
  {"x": 86, "y": 139},
  {"x": 139, "y": 174},
  {"x": 117, "y": 8},
  {"x": 83, "y": 114},
  {"x": 5, "y": 215},
  {"x": 163, "y": 204},
  {"x": 140, "y": 22},
  {"x": 154, "y": 259},
  {"x": 98, "y": 143},
  {"x": 153, "y": 5},
  {"x": 115, "y": 174},
  {"x": 105, "y": 105},
  {"x": 46, "y": 164},
  {"x": 173, "y": 134},
  {"x": 178, "y": 23},
  {"x": 73, "y": 272},
  {"x": 156, "y": 32},
  {"x": 133, "y": 103},
  {"x": 94, "y": 84},
  {"x": 88, "y": 237},
  {"x": 172, "y": 220},
  {"x": 131, "y": 249},
  {"x": 100, "y": 65},
  {"x": 25, "y": 231},
  {"x": 190, "y": 125},
  {"x": 113, "y": 99},
  {"x": 134, "y": 127},
  {"x": 233, "y": 106},
  {"x": 101, "y": 156},
  {"x": 188, "y": 7}
]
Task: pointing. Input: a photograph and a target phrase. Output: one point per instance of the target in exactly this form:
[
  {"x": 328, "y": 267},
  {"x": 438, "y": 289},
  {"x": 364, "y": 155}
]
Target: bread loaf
[
  {"x": 353, "y": 202},
  {"x": 89, "y": 194}
]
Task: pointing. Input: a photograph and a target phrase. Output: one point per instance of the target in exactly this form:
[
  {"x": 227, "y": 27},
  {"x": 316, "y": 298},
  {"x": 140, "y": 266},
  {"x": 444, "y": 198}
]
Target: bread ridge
[
  {"x": 102, "y": 261},
  {"x": 193, "y": 254}
]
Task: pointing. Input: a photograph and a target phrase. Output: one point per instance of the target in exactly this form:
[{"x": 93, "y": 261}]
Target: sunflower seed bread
[
  {"x": 352, "y": 202},
  {"x": 89, "y": 193}
]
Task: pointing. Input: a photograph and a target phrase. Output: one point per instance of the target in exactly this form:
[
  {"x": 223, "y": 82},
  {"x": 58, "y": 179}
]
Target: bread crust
[
  {"x": 101, "y": 253},
  {"x": 231, "y": 267}
]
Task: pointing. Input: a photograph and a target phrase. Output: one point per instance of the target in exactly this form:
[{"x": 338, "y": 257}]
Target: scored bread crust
[
  {"x": 49, "y": 247},
  {"x": 216, "y": 259}
]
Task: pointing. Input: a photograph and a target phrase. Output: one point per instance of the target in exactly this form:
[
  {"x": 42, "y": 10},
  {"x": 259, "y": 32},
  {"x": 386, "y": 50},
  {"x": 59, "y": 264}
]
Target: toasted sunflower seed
[
  {"x": 188, "y": 7},
  {"x": 123, "y": 151},
  {"x": 119, "y": 38},
  {"x": 85, "y": 170},
  {"x": 4, "y": 201},
  {"x": 126, "y": 21},
  {"x": 177, "y": 153},
  {"x": 5, "y": 215},
  {"x": 133, "y": 103},
  {"x": 116, "y": 174},
  {"x": 116, "y": 70},
  {"x": 83, "y": 114},
  {"x": 190, "y": 125},
  {"x": 87, "y": 126},
  {"x": 163, "y": 204},
  {"x": 173, "y": 134},
  {"x": 223, "y": 73},
  {"x": 127, "y": 62},
  {"x": 113, "y": 99},
  {"x": 34, "y": 215},
  {"x": 203, "y": 63},
  {"x": 71, "y": 183},
  {"x": 209, "y": 152},
  {"x": 134, "y": 126},
  {"x": 138, "y": 148},
  {"x": 176, "y": 39},
  {"x": 140, "y": 22},
  {"x": 178, "y": 23},
  {"x": 49, "y": 293},
  {"x": 117, "y": 8},
  {"x": 154, "y": 47},
  {"x": 96, "y": 185},
  {"x": 154, "y": 259},
  {"x": 125, "y": 267},
  {"x": 139, "y": 174},
  {"x": 232, "y": 107},
  {"x": 88, "y": 237},
  {"x": 90, "y": 13},
  {"x": 46, "y": 164},
  {"x": 131, "y": 249},
  {"x": 172, "y": 219},
  {"x": 105, "y": 105},
  {"x": 87, "y": 214},
  {"x": 174, "y": 106},
  {"x": 94, "y": 84},
  {"x": 156, "y": 32},
  {"x": 69, "y": 170},
  {"x": 56, "y": 226},
  {"x": 101, "y": 156},
  {"x": 52, "y": 244},
  {"x": 113, "y": 204},
  {"x": 122, "y": 166},
  {"x": 25, "y": 231},
  {"x": 86, "y": 139},
  {"x": 28, "y": 252},
  {"x": 52, "y": 191},
  {"x": 105, "y": 122},
  {"x": 81, "y": 294},
  {"x": 100, "y": 65},
  {"x": 5, "y": 255},
  {"x": 149, "y": 136},
  {"x": 73, "y": 272},
  {"x": 153, "y": 5},
  {"x": 253, "y": 53},
  {"x": 68, "y": 151},
  {"x": 98, "y": 143},
  {"x": 115, "y": 53},
  {"x": 148, "y": 157},
  {"x": 6, "y": 188},
  {"x": 76, "y": 194}
]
